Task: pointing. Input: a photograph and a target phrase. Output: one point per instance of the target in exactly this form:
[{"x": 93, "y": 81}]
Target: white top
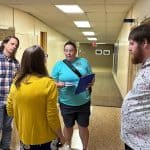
[{"x": 135, "y": 114}]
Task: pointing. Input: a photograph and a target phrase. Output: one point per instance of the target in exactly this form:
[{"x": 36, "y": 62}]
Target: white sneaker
[{"x": 65, "y": 147}]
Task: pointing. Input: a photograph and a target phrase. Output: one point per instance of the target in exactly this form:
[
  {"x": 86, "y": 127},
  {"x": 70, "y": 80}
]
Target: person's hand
[
  {"x": 60, "y": 84},
  {"x": 62, "y": 140}
]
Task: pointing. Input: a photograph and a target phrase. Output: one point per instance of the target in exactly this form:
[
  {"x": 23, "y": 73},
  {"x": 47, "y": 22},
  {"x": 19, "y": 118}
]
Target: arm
[
  {"x": 89, "y": 70},
  {"x": 55, "y": 74},
  {"x": 9, "y": 103},
  {"x": 60, "y": 84},
  {"x": 52, "y": 112}
]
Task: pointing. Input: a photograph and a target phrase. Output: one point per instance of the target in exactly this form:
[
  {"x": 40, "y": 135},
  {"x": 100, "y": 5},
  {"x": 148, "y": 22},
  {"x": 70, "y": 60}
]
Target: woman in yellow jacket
[{"x": 32, "y": 102}]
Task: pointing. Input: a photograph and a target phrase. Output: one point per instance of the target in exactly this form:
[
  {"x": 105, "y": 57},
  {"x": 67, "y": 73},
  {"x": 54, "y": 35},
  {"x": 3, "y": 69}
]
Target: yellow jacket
[{"x": 33, "y": 106}]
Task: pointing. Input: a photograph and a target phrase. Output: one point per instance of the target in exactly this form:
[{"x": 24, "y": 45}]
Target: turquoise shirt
[{"x": 61, "y": 72}]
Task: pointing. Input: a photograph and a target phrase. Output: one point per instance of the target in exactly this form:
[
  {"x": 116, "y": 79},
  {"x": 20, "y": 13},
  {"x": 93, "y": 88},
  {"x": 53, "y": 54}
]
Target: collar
[
  {"x": 146, "y": 63},
  {"x": 8, "y": 58}
]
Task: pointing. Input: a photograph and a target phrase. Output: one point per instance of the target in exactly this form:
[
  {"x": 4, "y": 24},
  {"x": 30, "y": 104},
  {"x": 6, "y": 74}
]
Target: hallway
[{"x": 103, "y": 40}]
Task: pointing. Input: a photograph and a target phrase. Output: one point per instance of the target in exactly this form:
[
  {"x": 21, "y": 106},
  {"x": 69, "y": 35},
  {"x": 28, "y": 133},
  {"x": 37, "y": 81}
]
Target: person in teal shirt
[{"x": 74, "y": 107}]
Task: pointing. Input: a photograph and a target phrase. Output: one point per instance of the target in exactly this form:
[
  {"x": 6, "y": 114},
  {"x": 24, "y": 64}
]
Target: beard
[{"x": 137, "y": 58}]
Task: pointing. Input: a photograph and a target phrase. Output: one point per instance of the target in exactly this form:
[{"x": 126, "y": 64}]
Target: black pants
[
  {"x": 127, "y": 147},
  {"x": 45, "y": 146}
]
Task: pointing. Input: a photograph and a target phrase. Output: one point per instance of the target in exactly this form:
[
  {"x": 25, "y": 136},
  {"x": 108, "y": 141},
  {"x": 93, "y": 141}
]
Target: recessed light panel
[
  {"x": 88, "y": 33},
  {"x": 92, "y": 39},
  {"x": 70, "y": 8},
  {"x": 82, "y": 24}
]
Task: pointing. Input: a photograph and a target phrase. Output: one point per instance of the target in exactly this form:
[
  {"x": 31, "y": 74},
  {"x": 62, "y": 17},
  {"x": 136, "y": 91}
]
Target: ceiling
[{"x": 105, "y": 16}]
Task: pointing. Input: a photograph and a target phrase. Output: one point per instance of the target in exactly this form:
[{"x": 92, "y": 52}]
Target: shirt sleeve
[
  {"x": 55, "y": 71},
  {"x": 52, "y": 110},
  {"x": 89, "y": 69},
  {"x": 9, "y": 103}
]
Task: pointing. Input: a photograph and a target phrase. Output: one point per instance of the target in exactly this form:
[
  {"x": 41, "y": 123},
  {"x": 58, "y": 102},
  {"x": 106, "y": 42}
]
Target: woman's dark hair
[
  {"x": 6, "y": 40},
  {"x": 33, "y": 62},
  {"x": 70, "y": 43},
  {"x": 140, "y": 34}
]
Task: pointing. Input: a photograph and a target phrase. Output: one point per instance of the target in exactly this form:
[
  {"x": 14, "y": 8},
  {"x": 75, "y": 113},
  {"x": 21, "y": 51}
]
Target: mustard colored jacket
[{"x": 33, "y": 106}]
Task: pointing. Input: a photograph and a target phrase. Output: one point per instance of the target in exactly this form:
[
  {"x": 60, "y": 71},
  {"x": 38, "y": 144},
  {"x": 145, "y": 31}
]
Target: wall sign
[
  {"x": 106, "y": 52},
  {"x": 98, "y": 51},
  {"x": 102, "y": 52}
]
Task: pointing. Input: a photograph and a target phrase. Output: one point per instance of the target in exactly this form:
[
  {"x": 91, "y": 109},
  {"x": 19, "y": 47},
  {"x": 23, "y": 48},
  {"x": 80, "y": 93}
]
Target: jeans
[{"x": 5, "y": 127}]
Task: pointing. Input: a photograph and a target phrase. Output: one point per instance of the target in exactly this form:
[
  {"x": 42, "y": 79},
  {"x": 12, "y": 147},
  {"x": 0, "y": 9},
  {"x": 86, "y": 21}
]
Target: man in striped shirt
[
  {"x": 135, "y": 112},
  {"x": 8, "y": 68}
]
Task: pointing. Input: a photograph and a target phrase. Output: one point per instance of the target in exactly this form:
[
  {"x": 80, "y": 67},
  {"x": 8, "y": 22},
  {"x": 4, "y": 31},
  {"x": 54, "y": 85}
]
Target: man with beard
[{"x": 135, "y": 112}]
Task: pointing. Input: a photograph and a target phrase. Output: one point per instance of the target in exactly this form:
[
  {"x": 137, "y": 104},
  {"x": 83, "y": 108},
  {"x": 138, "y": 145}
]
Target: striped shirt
[{"x": 8, "y": 69}]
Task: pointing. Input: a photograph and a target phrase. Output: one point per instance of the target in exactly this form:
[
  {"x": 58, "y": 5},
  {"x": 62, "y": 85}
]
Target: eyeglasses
[{"x": 69, "y": 50}]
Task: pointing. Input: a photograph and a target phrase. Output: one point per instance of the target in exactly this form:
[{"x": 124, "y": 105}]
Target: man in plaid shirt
[{"x": 8, "y": 68}]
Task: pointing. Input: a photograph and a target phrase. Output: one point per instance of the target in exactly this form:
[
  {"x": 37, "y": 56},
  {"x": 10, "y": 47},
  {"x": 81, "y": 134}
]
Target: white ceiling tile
[
  {"x": 119, "y": 1},
  {"x": 117, "y": 8},
  {"x": 113, "y": 17},
  {"x": 93, "y": 8},
  {"x": 97, "y": 16},
  {"x": 90, "y": 1}
]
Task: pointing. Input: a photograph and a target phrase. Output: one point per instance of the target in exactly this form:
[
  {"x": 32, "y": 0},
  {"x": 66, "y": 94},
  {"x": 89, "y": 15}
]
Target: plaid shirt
[{"x": 8, "y": 69}]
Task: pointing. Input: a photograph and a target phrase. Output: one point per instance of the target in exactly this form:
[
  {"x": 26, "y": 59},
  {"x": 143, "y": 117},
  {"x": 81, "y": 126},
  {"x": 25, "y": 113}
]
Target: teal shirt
[{"x": 61, "y": 72}]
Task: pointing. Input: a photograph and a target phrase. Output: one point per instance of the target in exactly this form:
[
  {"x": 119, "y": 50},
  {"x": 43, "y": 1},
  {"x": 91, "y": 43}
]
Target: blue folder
[{"x": 84, "y": 82}]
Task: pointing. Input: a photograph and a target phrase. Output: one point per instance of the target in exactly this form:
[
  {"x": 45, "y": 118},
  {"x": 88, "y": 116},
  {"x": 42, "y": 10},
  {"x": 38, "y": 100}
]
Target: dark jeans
[
  {"x": 5, "y": 127},
  {"x": 127, "y": 147}
]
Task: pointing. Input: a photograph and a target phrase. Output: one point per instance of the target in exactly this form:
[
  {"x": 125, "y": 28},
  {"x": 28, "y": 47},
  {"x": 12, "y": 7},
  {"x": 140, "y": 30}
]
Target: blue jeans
[{"x": 5, "y": 127}]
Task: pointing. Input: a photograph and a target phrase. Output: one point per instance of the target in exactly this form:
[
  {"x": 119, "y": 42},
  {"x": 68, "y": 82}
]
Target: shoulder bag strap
[{"x": 72, "y": 68}]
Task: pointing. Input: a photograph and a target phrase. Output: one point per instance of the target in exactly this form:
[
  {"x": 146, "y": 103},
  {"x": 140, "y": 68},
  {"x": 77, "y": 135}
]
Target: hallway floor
[
  {"x": 105, "y": 91},
  {"x": 104, "y": 131}
]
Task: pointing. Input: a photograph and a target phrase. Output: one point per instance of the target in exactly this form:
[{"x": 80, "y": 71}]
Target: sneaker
[{"x": 65, "y": 147}]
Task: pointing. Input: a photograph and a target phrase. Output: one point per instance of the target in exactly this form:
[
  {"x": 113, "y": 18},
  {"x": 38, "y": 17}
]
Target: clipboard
[{"x": 83, "y": 83}]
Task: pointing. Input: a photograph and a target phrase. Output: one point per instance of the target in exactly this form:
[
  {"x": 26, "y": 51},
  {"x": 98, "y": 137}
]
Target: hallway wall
[
  {"x": 99, "y": 63},
  {"x": 27, "y": 29},
  {"x": 140, "y": 11}
]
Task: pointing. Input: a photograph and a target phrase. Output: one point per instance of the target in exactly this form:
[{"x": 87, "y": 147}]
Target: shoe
[{"x": 65, "y": 147}]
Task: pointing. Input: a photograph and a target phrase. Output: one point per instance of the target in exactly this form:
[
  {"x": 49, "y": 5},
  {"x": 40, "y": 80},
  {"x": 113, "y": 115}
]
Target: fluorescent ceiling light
[
  {"x": 70, "y": 8},
  {"x": 92, "y": 39},
  {"x": 82, "y": 24},
  {"x": 89, "y": 33}
]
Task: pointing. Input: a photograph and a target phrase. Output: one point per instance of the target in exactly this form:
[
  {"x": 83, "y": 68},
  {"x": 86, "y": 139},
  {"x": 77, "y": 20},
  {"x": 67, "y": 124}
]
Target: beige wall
[
  {"x": 99, "y": 63},
  {"x": 27, "y": 29},
  {"x": 123, "y": 56},
  {"x": 140, "y": 12}
]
